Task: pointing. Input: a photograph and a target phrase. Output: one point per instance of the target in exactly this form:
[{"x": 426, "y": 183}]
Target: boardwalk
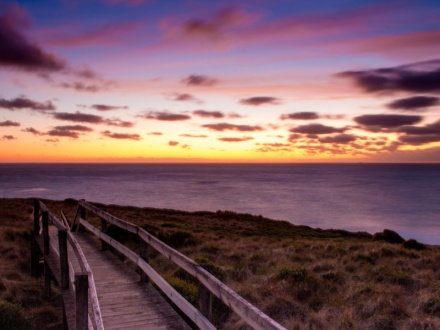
[
  {"x": 125, "y": 302},
  {"x": 102, "y": 292}
]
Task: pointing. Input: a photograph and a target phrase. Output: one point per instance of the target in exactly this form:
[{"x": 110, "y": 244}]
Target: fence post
[
  {"x": 46, "y": 233},
  {"x": 36, "y": 217},
  {"x": 82, "y": 215},
  {"x": 104, "y": 245},
  {"x": 47, "y": 288},
  {"x": 205, "y": 301},
  {"x": 64, "y": 264},
  {"x": 35, "y": 270},
  {"x": 81, "y": 299},
  {"x": 143, "y": 253}
]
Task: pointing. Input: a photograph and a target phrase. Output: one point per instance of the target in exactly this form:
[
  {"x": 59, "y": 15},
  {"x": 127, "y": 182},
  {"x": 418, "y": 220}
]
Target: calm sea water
[{"x": 365, "y": 197}]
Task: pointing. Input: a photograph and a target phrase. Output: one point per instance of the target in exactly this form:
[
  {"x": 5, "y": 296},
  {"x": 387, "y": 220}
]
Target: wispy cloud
[
  {"x": 199, "y": 80},
  {"x": 122, "y": 136},
  {"x": 260, "y": 100},
  {"x": 235, "y": 139},
  {"x": 164, "y": 116},
  {"x": 23, "y": 102},
  {"x": 9, "y": 123},
  {"x": 220, "y": 127},
  {"x": 306, "y": 115},
  {"x": 103, "y": 107}
]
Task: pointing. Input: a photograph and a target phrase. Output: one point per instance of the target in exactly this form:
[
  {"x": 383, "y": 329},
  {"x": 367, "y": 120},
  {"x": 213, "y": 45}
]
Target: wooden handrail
[
  {"x": 248, "y": 312},
  {"x": 85, "y": 268}
]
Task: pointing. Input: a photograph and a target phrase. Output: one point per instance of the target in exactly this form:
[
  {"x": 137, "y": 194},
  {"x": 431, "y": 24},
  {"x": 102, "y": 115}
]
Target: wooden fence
[
  {"x": 77, "y": 287},
  {"x": 210, "y": 285}
]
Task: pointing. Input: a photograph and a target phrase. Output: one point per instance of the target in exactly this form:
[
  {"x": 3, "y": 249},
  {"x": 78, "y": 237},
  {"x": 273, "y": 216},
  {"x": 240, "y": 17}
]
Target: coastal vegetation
[{"x": 302, "y": 277}]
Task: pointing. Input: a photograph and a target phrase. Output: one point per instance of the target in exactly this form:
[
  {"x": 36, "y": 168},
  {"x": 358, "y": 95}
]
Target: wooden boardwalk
[{"x": 125, "y": 301}]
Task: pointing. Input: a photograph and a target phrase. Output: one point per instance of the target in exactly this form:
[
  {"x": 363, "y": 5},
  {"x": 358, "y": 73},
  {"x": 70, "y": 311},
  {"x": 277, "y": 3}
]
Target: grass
[{"x": 302, "y": 277}]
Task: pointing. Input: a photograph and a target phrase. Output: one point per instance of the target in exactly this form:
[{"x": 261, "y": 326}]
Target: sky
[{"x": 219, "y": 81}]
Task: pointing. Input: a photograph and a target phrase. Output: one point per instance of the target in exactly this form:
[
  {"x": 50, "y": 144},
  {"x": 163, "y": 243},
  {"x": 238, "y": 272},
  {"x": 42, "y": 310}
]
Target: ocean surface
[{"x": 355, "y": 197}]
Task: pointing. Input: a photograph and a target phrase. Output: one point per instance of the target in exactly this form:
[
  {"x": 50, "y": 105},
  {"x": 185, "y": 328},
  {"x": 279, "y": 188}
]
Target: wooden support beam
[
  {"x": 36, "y": 217},
  {"x": 46, "y": 250},
  {"x": 104, "y": 245},
  {"x": 64, "y": 262},
  {"x": 143, "y": 253},
  {"x": 47, "y": 278},
  {"x": 81, "y": 299},
  {"x": 205, "y": 301}
]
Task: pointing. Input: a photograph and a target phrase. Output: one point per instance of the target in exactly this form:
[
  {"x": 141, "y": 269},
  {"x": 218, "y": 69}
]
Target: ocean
[{"x": 355, "y": 197}]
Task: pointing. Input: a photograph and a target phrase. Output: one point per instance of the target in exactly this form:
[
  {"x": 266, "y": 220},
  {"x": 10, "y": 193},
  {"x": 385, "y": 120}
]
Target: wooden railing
[
  {"x": 56, "y": 260},
  {"x": 210, "y": 285}
]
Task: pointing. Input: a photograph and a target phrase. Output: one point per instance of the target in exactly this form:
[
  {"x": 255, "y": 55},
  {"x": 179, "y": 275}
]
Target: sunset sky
[{"x": 228, "y": 81}]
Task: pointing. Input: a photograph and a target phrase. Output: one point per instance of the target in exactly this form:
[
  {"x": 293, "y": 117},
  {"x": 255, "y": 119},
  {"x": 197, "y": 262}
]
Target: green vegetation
[{"x": 302, "y": 277}]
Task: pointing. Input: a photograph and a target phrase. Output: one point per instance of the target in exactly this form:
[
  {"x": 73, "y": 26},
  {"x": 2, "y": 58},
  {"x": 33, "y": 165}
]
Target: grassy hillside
[{"x": 302, "y": 277}]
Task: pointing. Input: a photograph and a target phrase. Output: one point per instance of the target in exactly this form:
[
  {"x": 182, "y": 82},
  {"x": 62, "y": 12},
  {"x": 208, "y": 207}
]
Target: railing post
[
  {"x": 205, "y": 301},
  {"x": 82, "y": 214},
  {"x": 47, "y": 278},
  {"x": 81, "y": 299},
  {"x": 35, "y": 258},
  {"x": 64, "y": 264},
  {"x": 46, "y": 233},
  {"x": 36, "y": 217},
  {"x": 143, "y": 253},
  {"x": 104, "y": 245}
]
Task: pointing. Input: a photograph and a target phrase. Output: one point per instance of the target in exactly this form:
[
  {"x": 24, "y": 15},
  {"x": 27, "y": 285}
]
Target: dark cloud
[
  {"x": 193, "y": 136},
  {"x": 32, "y": 131},
  {"x": 387, "y": 121},
  {"x": 208, "y": 114},
  {"x": 235, "y": 139},
  {"x": 306, "y": 115},
  {"x": 199, "y": 80},
  {"x": 429, "y": 129},
  {"x": 77, "y": 128},
  {"x": 81, "y": 87},
  {"x": 17, "y": 51},
  {"x": 52, "y": 140},
  {"x": 79, "y": 117},
  {"x": 185, "y": 97},
  {"x": 220, "y": 127},
  {"x": 416, "y": 77},
  {"x": 155, "y": 133},
  {"x": 259, "y": 100},
  {"x": 9, "y": 123},
  {"x": 22, "y": 102},
  {"x": 414, "y": 103},
  {"x": 8, "y": 137},
  {"x": 338, "y": 139},
  {"x": 419, "y": 139},
  {"x": 317, "y": 129},
  {"x": 103, "y": 107},
  {"x": 122, "y": 136},
  {"x": 173, "y": 143},
  {"x": 63, "y": 133},
  {"x": 165, "y": 116}
]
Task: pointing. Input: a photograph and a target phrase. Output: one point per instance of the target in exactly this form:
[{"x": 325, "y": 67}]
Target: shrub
[
  {"x": 212, "y": 268},
  {"x": 188, "y": 290},
  {"x": 431, "y": 307},
  {"x": 292, "y": 274},
  {"x": 414, "y": 245},
  {"x": 389, "y": 236},
  {"x": 177, "y": 239},
  {"x": 12, "y": 317}
]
